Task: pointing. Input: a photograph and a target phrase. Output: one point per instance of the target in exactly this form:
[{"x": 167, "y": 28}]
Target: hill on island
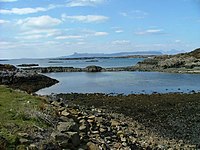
[{"x": 120, "y": 54}]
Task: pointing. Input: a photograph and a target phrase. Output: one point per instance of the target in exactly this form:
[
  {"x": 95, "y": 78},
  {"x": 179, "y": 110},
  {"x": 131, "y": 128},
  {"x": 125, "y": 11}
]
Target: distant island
[{"x": 120, "y": 54}]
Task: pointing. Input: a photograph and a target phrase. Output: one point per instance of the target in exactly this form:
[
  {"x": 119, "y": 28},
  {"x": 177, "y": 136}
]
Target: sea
[{"x": 112, "y": 82}]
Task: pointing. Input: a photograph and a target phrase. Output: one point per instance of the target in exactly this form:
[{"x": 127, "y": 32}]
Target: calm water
[
  {"x": 122, "y": 82},
  {"x": 111, "y": 62}
]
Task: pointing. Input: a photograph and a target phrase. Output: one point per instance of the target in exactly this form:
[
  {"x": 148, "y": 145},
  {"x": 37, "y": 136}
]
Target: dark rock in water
[
  {"x": 53, "y": 62},
  {"x": 32, "y": 83},
  {"x": 24, "y": 80},
  {"x": 28, "y": 65},
  {"x": 91, "y": 61},
  {"x": 93, "y": 68}
]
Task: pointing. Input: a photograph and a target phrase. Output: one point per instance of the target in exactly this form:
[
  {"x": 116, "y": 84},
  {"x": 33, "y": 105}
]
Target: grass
[{"x": 17, "y": 114}]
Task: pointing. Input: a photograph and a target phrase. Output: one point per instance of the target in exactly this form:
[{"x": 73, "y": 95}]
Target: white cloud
[
  {"x": 38, "y": 34},
  {"x": 120, "y": 42},
  {"x": 100, "y": 33},
  {"x": 177, "y": 41},
  {"x": 68, "y": 37},
  {"x": 39, "y": 22},
  {"x": 150, "y": 32},
  {"x": 23, "y": 11},
  {"x": 31, "y": 37},
  {"x": 80, "y": 43},
  {"x": 48, "y": 32},
  {"x": 119, "y": 31},
  {"x": 86, "y": 18},
  {"x": 135, "y": 14},
  {"x": 8, "y": 0},
  {"x": 3, "y": 21},
  {"x": 78, "y": 3}
]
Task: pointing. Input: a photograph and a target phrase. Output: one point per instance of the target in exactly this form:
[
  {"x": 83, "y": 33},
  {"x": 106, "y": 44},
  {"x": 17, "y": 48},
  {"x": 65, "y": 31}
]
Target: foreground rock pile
[{"x": 80, "y": 128}]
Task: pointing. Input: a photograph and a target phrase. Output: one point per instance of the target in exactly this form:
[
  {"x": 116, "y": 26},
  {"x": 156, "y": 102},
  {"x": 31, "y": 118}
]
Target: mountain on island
[{"x": 120, "y": 54}]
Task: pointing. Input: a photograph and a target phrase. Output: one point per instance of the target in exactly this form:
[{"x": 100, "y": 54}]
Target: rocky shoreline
[
  {"x": 102, "y": 128},
  {"x": 84, "y": 124},
  {"x": 24, "y": 80}
]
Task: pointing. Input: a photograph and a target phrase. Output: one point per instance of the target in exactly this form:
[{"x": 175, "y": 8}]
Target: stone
[
  {"x": 63, "y": 119},
  {"x": 117, "y": 145},
  {"x": 59, "y": 136},
  {"x": 61, "y": 109},
  {"x": 32, "y": 147},
  {"x": 55, "y": 103},
  {"x": 66, "y": 139},
  {"x": 65, "y": 113},
  {"x": 92, "y": 146},
  {"x": 82, "y": 128},
  {"x": 91, "y": 117},
  {"x": 67, "y": 126},
  {"x": 124, "y": 144},
  {"x": 90, "y": 120},
  {"x": 102, "y": 130},
  {"x": 74, "y": 138},
  {"x": 119, "y": 133},
  {"x": 24, "y": 135},
  {"x": 114, "y": 123},
  {"x": 95, "y": 132},
  {"x": 123, "y": 139},
  {"x": 93, "y": 68},
  {"x": 73, "y": 111},
  {"x": 24, "y": 141}
]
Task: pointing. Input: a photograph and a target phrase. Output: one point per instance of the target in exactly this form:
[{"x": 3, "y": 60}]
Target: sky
[{"x": 52, "y": 28}]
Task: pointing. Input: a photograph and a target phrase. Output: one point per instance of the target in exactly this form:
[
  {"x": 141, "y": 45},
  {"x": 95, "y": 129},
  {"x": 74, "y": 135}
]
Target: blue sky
[{"x": 51, "y": 28}]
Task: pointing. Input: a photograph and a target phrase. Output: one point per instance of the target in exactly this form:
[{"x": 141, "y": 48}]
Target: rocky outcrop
[
  {"x": 72, "y": 69},
  {"x": 28, "y": 65},
  {"x": 93, "y": 68},
  {"x": 27, "y": 81},
  {"x": 4, "y": 67},
  {"x": 180, "y": 63}
]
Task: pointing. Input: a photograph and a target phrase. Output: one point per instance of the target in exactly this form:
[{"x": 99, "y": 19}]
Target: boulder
[
  {"x": 93, "y": 68},
  {"x": 67, "y": 126}
]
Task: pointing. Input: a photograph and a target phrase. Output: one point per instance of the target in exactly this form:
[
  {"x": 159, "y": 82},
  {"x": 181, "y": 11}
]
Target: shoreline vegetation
[{"x": 98, "y": 121}]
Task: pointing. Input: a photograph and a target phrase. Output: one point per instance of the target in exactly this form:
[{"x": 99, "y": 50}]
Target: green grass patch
[{"x": 18, "y": 113}]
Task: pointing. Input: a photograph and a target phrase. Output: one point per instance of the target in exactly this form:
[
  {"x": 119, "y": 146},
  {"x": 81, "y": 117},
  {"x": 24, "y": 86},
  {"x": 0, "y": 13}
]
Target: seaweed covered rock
[
  {"x": 24, "y": 80},
  {"x": 93, "y": 68}
]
